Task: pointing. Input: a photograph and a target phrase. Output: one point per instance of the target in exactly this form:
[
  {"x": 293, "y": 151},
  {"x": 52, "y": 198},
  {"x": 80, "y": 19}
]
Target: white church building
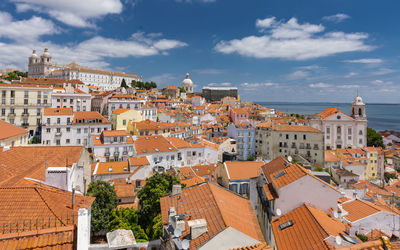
[
  {"x": 43, "y": 67},
  {"x": 342, "y": 130}
]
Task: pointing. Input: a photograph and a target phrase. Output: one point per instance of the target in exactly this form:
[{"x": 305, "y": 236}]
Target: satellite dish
[
  {"x": 177, "y": 232},
  {"x": 289, "y": 158},
  {"x": 338, "y": 240},
  {"x": 335, "y": 214},
  {"x": 185, "y": 244},
  {"x": 278, "y": 212}
]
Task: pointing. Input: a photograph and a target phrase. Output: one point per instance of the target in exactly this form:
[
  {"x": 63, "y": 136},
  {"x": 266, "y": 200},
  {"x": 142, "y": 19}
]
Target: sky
[{"x": 273, "y": 51}]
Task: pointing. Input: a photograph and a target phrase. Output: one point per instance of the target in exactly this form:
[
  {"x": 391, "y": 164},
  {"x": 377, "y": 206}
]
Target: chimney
[
  {"x": 73, "y": 197},
  {"x": 197, "y": 228},
  {"x": 176, "y": 189}
]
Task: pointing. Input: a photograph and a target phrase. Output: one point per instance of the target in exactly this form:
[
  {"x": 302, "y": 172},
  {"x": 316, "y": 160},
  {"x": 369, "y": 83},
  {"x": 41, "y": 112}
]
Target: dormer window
[{"x": 110, "y": 169}]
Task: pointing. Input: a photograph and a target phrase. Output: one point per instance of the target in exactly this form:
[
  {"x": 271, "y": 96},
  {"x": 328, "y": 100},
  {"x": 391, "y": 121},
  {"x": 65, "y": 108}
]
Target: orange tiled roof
[
  {"x": 120, "y": 111},
  {"x": 123, "y": 189},
  {"x": 31, "y": 203},
  {"x": 309, "y": 230},
  {"x": 218, "y": 206},
  {"x": 277, "y": 164},
  {"x": 115, "y": 133},
  {"x": 89, "y": 115},
  {"x": 193, "y": 181},
  {"x": 328, "y": 112},
  {"x": 152, "y": 125},
  {"x": 358, "y": 209},
  {"x": 237, "y": 170},
  {"x": 372, "y": 188},
  {"x": 298, "y": 128},
  {"x": 32, "y": 161},
  {"x": 153, "y": 144},
  {"x": 330, "y": 156},
  {"x": 53, "y": 238},
  {"x": 8, "y": 130},
  {"x": 116, "y": 167},
  {"x": 293, "y": 172},
  {"x": 57, "y": 111},
  {"x": 138, "y": 161}
]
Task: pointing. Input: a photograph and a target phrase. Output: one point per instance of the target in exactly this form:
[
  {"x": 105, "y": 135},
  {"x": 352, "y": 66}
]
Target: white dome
[
  {"x": 34, "y": 53},
  {"x": 358, "y": 100},
  {"x": 46, "y": 52},
  {"x": 187, "y": 80}
]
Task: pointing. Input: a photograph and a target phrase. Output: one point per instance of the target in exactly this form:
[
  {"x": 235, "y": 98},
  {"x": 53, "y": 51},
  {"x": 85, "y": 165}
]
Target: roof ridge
[
  {"x": 45, "y": 202},
  {"x": 316, "y": 220}
]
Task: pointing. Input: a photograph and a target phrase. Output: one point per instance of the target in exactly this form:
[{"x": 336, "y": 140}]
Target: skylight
[
  {"x": 287, "y": 224},
  {"x": 156, "y": 149},
  {"x": 109, "y": 169},
  {"x": 280, "y": 174}
]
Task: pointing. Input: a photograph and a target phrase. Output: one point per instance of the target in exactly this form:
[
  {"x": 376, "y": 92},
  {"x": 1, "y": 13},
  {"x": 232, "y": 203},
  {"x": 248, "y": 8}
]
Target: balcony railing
[{"x": 25, "y": 114}]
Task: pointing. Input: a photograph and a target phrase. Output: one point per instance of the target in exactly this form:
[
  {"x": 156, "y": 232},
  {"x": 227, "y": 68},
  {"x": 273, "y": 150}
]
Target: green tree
[
  {"x": 182, "y": 90},
  {"x": 362, "y": 237},
  {"x": 106, "y": 201},
  {"x": 147, "y": 85},
  {"x": 157, "y": 227},
  {"x": 125, "y": 218},
  {"x": 123, "y": 83},
  {"x": 153, "y": 85},
  {"x": 251, "y": 158},
  {"x": 374, "y": 139},
  {"x": 149, "y": 196}
]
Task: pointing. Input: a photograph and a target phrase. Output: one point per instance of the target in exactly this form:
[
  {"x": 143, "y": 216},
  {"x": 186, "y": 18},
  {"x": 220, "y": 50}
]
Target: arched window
[
  {"x": 338, "y": 132},
  {"x": 359, "y": 111},
  {"x": 360, "y": 133}
]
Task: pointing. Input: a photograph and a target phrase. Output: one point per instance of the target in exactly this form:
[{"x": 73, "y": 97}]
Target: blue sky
[{"x": 286, "y": 50}]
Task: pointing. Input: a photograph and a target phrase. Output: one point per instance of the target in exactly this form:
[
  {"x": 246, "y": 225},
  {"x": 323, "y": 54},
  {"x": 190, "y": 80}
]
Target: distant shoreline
[{"x": 341, "y": 103}]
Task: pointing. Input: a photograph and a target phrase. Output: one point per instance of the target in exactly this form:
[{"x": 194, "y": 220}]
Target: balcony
[
  {"x": 125, "y": 152},
  {"x": 107, "y": 154},
  {"x": 25, "y": 125},
  {"x": 58, "y": 134},
  {"x": 25, "y": 114},
  {"x": 116, "y": 153}
]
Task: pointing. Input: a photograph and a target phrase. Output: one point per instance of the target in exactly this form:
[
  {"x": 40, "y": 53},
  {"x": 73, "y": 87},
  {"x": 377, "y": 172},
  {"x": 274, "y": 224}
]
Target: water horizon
[{"x": 380, "y": 116}]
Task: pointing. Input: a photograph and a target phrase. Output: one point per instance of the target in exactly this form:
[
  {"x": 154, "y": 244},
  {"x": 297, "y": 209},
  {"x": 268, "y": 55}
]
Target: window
[
  {"x": 68, "y": 129},
  {"x": 25, "y": 111},
  {"x": 124, "y": 122},
  {"x": 338, "y": 132},
  {"x": 58, "y": 143},
  {"x": 287, "y": 136},
  {"x": 3, "y": 112},
  {"x": 78, "y": 141},
  {"x": 349, "y": 131},
  {"x": 26, "y": 94},
  {"x": 58, "y": 99},
  {"x": 328, "y": 130},
  {"x": 38, "y": 111},
  {"x": 12, "y": 121},
  {"x": 85, "y": 130},
  {"x": 67, "y": 141},
  {"x": 295, "y": 137},
  {"x": 58, "y": 120},
  {"x": 58, "y": 130},
  {"x": 360, "y": 133},
  {"x": 48, "y": 130},
  {"x": 25, "y": 101},
  {"x": 12, "y": 93},
  {"x": 48, "y": 120},
  {"x": 78, "y": 131},
  {"x": 12, "y": 111},
  {"x": 3, "y": 93},
  {"x": 304, "y": 137}
]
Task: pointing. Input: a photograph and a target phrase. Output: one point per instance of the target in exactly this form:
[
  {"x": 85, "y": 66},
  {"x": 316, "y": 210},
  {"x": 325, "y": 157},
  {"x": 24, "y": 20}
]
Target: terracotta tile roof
[
  {"x": 8, "y": 130},
  {"x": 193, "y": 181},
  {"x": 89, "y": 115},
  {"x": 328, "y": 112},
  {"x": 57, "y": 111},
  {"x": 32, "y": 203},
  {"x": 330, "y": 156},
  {"x": 291, "y": 173},
  {"x": 53, "y": 238},
  {"x": 120, "y": 111},
  {"x": 298, "y": 128},
  {"x": 270, "y": 192},
  {"x": 115, "y": 133},
  {"x": 240, "y": 110},
  {"x": 359, "y": 209},
  {"x": 153, "y": 144},
  {"x": 138, "y": 161},
  {"x": 218, "y": 206},
  {"x": 264, "y": 125},
  {"x": 238, "y": 170},
  {"x": 32, "y": 161},
  {"x": 110, "y": 168},
  {"x": 152, "y": 125},
  {"x": 309, "y": 230},
  {"x": 123, "y": 189},
  {"x": 378, "y": 244},
  {"x": 372, "y": 188},
  {"x": 277, "y": 164}
]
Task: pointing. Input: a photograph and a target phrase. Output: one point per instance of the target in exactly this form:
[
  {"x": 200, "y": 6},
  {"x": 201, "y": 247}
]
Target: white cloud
[
  {"x": 298, "y": 74},
  {"x": 338, "y": 18},
  {"x": 23, "y": 30},
  {"x": 365, "y": 60},
  {"x": 351, "y": 74},
  {"x": 251, "y": 86},
  {"x": 75, "y": 13},
  {"x": 383, "y": 71},
  {"x": 223, "y": 84},
  {"x": 294, "y": 41},
  {"x": 320, "y": 85},
  {"x": 265, "y": 23},
  {"x": 380, "y": 82}
]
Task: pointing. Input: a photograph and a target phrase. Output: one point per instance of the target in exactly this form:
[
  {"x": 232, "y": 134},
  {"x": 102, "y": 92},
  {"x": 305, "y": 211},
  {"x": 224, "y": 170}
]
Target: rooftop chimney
[
  {"x": 176, "y": 189},
  {"x": 73, "y": 197},
  {"x": 197, "y": 227}
]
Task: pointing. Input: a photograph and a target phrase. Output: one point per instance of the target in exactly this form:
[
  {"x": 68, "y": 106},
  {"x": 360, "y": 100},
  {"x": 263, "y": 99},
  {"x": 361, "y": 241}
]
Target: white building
[
  {"x": 342, "y": 130},
  {"x": 187, "y": 84},
  {"x": 62, "y": 126},
  {"x": 125, "y": 101},
  {"x": 42, "y": 67},
  {"x": 70, "y": 97},
  {"x": 114, "y": 145}
]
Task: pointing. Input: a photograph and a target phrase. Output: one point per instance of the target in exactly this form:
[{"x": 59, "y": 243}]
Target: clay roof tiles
[
  {"x": 57, "y": 111},
  {"x": 238, "y": 170},
  {"x": 8, "y": 130}
]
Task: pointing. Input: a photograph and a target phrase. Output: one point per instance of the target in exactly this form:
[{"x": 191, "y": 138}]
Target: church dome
[
  {"x": 187, "y": 80},
  {"x": 358, "y": 100},
  {"x": 46, "y": 52},
  {"x": 34, "y": 55}
]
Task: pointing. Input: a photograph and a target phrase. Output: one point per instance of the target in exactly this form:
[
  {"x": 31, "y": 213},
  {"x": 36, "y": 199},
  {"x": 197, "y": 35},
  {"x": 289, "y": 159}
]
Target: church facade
[
  {"x": 43, "y": 67},
  {"x": 342, "y": 130}
]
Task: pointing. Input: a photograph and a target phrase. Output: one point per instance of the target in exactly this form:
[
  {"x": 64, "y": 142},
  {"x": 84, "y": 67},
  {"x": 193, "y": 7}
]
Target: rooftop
[{"x": 8, "y": 130}]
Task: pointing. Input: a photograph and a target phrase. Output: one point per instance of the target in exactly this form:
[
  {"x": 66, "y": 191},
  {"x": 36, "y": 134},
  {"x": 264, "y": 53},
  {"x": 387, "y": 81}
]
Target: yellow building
[
  {"x": 371, "y": 170},
  {"x": 11, "y": 135},
  {"x": 22, "y": 104},
  {"x": 120, "y": 118}
]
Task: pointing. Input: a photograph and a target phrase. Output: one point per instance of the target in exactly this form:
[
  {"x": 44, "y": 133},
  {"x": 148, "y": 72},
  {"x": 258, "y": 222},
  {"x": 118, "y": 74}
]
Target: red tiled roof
[
  {"x": 32, "y": 161},
  {"x": 237, "y": 170},
  {"x": 309, "y": 230},
  {"x": 89, "y": 115},
  {"x": 57, "y": 111},
  {"x": 138, "y": 161},
  {"x": 219, "y": 207},
  {"x": 8, "y": 130},
  {"x": 153, "y": 144}
]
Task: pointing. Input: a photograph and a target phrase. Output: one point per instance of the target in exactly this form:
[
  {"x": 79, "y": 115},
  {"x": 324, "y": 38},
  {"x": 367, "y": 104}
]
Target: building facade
[
  {"x": 22, "y": 105},
  {"x": 213, "y": 94},
  {"x": 342, "y": 130},
  {"x": 244, "y": 135}
]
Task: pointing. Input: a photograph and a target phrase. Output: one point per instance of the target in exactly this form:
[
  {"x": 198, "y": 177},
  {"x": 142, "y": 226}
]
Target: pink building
[{"x": 238, "y": 114}]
